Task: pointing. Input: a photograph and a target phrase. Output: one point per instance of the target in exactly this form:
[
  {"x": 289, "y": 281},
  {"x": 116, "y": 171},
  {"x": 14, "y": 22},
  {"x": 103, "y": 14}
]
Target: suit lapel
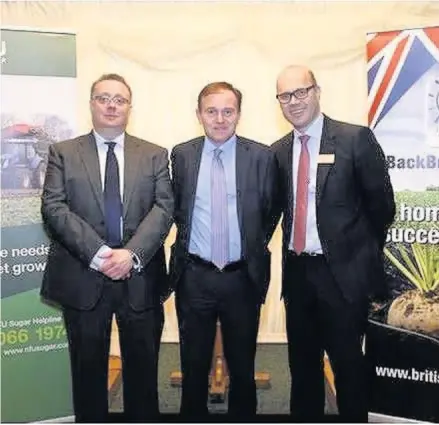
[
  {"x": 327, "y": 146},
  {"x": 242, "y": 165},
  {"x": 89, "y": 156},
  {"x": 131, "y": 168},
  {"x": 192, "y": 176},
  {"x": 286, "y": 164}
]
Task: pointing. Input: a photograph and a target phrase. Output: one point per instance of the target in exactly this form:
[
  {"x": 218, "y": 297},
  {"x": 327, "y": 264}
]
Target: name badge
[{"x": 326, "y": 158}]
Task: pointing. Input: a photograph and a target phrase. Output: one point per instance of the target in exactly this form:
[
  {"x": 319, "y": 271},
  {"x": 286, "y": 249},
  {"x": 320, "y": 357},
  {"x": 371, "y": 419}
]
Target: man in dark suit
[
  {"x": 337, "y": 203},
  {"x": 220, "y": 264},
  {"x": 107, "y": 204}
]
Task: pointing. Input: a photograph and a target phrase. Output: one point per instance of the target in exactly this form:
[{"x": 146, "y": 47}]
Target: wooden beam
[
  {"x": 329, "y": 374},
  {"x": 219, "y": 376},
  {"x": 114, "y": 370}
]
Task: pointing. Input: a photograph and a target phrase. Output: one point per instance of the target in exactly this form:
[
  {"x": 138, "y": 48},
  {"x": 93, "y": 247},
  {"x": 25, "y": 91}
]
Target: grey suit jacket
[
  {"x": 73, "y": 212},
  {"x": 354, "y": 205},
  {"x": 255, "y": 182}
]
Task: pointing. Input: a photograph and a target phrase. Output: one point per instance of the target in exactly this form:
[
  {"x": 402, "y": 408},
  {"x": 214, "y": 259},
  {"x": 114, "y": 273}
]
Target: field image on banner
[
  {"x": 38, "y": 104},
  {"x": 403, "y": 340}
]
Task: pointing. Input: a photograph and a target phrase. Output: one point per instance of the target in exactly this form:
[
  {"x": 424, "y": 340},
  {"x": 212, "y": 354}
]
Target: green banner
[
  {"x": 402, "y": 343},
  {"x": 35, "y": 53},
  {"x": 35, "y": 369}
]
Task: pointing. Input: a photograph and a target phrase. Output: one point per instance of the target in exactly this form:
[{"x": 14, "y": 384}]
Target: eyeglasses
[
  {"x": 299, "y": 94},
  {"x": 106, "y": 100}
]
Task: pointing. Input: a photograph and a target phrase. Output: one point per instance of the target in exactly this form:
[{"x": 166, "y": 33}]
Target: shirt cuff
[{"x": 96, "y": 261}]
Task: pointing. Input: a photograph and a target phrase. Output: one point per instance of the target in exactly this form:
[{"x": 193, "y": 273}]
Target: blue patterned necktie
[
  {"x": 112, "y": 199},
  {"x": 219, "y": 218}
]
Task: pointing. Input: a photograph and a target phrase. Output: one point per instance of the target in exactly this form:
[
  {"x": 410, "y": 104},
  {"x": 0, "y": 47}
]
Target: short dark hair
[
  {"x": 114, "y": 77},
  {"x": 217, "y": 87}
]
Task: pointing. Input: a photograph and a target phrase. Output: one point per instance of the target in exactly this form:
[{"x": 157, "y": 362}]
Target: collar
[
  {"x": 314, "y": 130},
  {"x": 210, "y": 145},
  {"x": 100, "y": 141}
]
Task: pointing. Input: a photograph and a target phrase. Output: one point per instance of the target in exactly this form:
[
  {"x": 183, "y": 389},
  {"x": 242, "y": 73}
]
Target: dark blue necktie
[{"x": 112, "y": 200}]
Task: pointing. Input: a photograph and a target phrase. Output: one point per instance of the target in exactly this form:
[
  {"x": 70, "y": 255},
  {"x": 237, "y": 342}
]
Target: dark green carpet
[{"x": 271, "y": 358}]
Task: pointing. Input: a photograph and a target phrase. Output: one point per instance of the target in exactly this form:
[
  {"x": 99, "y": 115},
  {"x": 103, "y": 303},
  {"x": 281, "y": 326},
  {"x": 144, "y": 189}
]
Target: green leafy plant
[{"x": 423, "y": 270}]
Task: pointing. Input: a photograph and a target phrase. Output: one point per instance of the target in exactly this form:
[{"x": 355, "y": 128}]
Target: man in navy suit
[
  {"x": 220, "y": 264},
  {"x": 337, "y": 204}
]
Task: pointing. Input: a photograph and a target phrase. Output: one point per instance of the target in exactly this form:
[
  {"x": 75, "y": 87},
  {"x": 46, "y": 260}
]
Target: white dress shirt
[
  {"x": 102, "y": 148},
  {"x": 102, "y": 154},
  {"x": 314, "y": 131}
]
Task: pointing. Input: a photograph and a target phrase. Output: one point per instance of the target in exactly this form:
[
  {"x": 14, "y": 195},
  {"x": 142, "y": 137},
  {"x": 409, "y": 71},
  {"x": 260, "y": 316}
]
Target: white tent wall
[{"x": 169, "y": 50}]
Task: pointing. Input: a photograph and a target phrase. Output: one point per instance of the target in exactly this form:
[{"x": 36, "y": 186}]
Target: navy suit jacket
[
  {"x": 354, "y": 205},
  {"x": 255, "y": 184}
]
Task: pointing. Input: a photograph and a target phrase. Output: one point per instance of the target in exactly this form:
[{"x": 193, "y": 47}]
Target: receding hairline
[
  {"x": 111, "y": 77},
  {"x": 219, "y": 87},
  {"x": 292, "y": 68}
]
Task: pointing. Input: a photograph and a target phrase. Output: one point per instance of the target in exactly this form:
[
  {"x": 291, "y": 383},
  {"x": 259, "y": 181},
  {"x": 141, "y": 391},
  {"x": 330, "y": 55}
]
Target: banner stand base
[
  {"x": 381, "y": 418},
  {"x": 64, "y": 419}
]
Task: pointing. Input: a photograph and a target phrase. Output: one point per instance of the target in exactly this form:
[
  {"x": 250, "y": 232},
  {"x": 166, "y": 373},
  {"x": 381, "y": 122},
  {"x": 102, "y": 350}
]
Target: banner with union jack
[
  {"x": 403, "y": 100},
  {"x": 402, "y": 343}
]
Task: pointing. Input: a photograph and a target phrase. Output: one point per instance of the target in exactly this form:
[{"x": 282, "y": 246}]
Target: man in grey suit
[
  {"x": 107, "y": 204},
  {"x": 337, "y": 203},
  {"x": 220, "y": 264}
]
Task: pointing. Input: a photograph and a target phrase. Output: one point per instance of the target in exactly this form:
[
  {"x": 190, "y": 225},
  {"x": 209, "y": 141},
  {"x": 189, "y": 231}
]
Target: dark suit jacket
[
  {"x": 73, "y": 212},
  {"x": 255, "y": 179},
  {"x": 354, "y": 206}
]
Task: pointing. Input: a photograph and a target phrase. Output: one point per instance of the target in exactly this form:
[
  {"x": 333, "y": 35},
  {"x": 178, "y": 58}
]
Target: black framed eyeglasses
[
  {"x": 299, "y": 94},
  {"x": 103, "y": 99}
]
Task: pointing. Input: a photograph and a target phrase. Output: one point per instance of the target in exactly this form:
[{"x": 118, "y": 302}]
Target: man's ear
[
  {"x": 198, "y": 113},
  {"x": 318, "y": 91}
]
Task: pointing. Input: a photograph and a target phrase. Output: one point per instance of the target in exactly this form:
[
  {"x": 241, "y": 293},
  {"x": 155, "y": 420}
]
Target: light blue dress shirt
[{"x": 200, "y": 237}]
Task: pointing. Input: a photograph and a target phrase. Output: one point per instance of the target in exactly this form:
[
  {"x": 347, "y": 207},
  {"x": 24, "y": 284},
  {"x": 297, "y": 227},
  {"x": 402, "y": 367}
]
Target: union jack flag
[{"x": 396, "y": 60}]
